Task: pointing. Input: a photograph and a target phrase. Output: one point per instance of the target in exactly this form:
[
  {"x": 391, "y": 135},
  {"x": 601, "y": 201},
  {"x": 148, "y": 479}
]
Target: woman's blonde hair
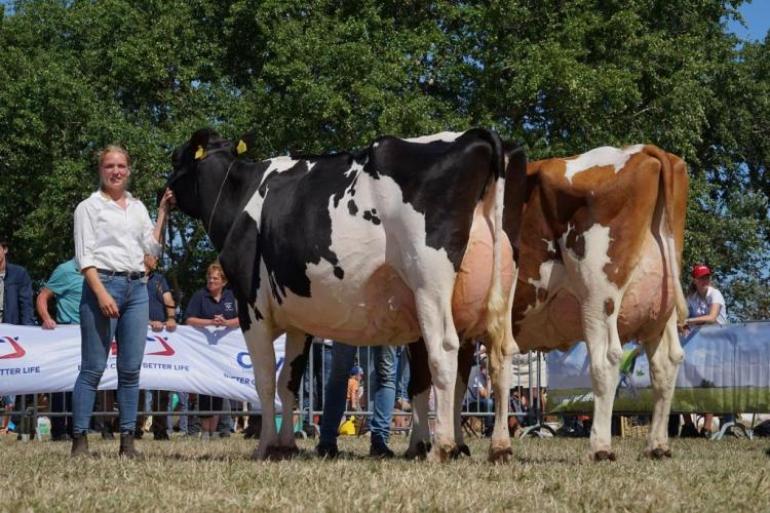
[
  {"x": 218, "y": 268},
  {"x": 112, "y": 148}
]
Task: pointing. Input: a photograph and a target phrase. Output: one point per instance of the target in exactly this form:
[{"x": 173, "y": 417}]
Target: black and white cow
[{"x": 399, "y": 241}]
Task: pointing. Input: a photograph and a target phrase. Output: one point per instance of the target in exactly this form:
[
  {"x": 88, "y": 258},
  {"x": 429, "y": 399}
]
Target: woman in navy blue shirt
[{"x": 212, "y": 306}]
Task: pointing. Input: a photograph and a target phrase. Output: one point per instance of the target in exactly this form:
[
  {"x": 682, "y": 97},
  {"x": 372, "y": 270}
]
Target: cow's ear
[
  {"x": 245, "y": 143},
  {"x": 199, "y": 142}
]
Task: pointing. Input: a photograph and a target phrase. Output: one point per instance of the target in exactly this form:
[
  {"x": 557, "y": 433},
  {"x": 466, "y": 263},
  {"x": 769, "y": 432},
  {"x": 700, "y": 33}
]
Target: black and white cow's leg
[
  {"x": 604, "y": 352},
  {"x": 419, "y": 396},
  {"x": 259, "y": 340},
  {"x": 297, "y": 348},
  {"x": 442, "y": 344},
  {"x": 464, "y": 364},
  {"x": 664, "y": 354}
]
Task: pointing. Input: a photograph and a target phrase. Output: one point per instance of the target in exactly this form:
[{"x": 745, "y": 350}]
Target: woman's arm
[
  {"x": 710, "y": 318},
  {"x": 106, "y": 303}
]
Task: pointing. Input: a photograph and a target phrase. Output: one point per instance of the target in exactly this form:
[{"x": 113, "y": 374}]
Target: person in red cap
[{"x": 705, "y": 305}]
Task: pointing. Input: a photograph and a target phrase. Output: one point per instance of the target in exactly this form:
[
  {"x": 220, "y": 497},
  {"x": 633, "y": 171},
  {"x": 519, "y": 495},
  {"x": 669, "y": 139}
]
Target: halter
[{"x": 219, "y": 194}]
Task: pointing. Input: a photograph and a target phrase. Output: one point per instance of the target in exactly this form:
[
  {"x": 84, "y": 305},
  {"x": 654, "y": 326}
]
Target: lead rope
[{"x": 219, "y": 194}]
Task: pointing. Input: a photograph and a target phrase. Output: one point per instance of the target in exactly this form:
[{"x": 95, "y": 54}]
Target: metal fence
[{"x": 180, "y": 412}]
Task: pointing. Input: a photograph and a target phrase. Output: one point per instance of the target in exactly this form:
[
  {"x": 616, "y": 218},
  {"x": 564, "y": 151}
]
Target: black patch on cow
[
  {"x": 296, "y": 228},
  {"x": 442, "y": 181},
  {"x": 352, "y": 207},
  {"x": 298, "y": 367},
  {"x": 369, "y": 215},
  {"x": 577, "y": 243},
  {"x": 419, "y": 375},
  {"x": 240, "y": 259}
]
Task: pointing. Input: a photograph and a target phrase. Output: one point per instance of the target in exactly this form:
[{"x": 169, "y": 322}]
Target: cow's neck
[{"x": 221, "y": 197}]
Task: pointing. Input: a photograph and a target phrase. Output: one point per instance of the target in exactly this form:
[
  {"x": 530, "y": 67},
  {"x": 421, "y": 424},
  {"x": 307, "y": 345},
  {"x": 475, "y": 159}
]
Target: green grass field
[{"x": 548, "y": 475}]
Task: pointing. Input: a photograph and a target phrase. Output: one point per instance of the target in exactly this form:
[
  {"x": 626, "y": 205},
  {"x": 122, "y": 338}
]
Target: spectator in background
[
  {"x": 15, "y": 291},
  {"x": 343, "y": 356},
  {"x": 212, "y": 306},
  {"x": 479, "y": 394},
  {"x": 705, "y": 305},
  {"x": 162, "y": 317},
  {"x": 64, "y": 288},
  {"x": 355, "y": 388},
  {"x": 113, "y": 232},
  {"x": 15, "y": 308}
]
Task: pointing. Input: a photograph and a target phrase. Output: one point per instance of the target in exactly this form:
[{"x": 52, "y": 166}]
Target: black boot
[
  {"x": 127, "y": 447},
  {"x": 79, "y": 445}
]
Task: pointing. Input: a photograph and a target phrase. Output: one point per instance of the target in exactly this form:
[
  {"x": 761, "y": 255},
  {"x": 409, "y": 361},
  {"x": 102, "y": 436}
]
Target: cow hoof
[
  {"x": 419, "y": 452},
  {"x": 658, "y": 453},
  {"x": 275, "y": 453},
  {"x": 500, "y": 454},
  {"x": 461, "y": 450},
  {"x": 604, "y": 456}
]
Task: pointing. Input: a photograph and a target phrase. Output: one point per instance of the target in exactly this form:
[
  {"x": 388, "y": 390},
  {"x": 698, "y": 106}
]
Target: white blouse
[{"x": 109, "y": 237}]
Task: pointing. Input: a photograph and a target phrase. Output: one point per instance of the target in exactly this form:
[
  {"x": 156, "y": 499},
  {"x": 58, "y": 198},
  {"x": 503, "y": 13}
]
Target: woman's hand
[
  {"x": 156, "y": 326},
  {"x": 171, "y": 324},
  {"x": 168, "y": 200},
  {"x": 108, "y": 306}
]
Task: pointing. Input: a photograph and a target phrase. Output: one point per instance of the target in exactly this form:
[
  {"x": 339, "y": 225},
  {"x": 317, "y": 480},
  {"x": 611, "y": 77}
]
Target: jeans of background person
[
  {"x": 61, "y": 402},
  {"x": 384, "y": 395},
  {"x": 402, "y": 374},
  {"x": 97, "y": 331}
]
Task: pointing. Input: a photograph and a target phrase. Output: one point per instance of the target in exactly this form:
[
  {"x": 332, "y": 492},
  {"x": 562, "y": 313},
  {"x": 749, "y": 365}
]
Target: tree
[{"x": 562, "y": 77}]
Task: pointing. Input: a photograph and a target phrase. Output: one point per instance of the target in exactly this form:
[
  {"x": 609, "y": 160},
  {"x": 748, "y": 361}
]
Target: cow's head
[{"x": 199, "y": 168}]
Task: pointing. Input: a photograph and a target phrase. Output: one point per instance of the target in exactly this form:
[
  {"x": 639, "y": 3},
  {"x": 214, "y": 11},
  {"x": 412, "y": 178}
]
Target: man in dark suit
[
  {"x": 15, "y": 291},
  {"x": 15, "y": 305}
]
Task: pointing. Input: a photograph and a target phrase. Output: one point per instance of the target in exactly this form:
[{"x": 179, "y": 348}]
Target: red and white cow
[
  {"x": 600, "y": 251},
  {"x": 401, "y": 240}
]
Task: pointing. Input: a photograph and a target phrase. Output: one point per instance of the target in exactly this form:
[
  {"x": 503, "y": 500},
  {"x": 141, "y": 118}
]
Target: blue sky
[{"x": 757, "y": 18}]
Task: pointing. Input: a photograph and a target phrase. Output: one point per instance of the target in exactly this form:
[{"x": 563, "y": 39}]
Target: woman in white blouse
[{"x": 113, "y": 232}]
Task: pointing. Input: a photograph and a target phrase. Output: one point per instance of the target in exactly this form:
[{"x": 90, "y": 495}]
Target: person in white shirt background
[
  {"x": 705, "y": 305},
  {"x": 113, "y": 232}
]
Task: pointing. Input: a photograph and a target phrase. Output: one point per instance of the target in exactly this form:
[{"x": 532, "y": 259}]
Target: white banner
[{"x": 198, "y": 360}]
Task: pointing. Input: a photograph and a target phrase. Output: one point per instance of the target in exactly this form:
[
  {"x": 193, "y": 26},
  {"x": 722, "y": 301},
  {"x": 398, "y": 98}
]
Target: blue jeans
[
  {"x": 343, "y": 356},
  {"x": 96, "y": 334}
]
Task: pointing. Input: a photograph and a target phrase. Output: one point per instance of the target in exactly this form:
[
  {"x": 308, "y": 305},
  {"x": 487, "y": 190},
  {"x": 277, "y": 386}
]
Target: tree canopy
[{"x": 560, "y": 77}]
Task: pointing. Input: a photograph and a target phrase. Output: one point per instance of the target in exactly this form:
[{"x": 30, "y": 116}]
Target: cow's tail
[
  {"x": 498, "y": 307},
  {"x": 673, "y": 187}
]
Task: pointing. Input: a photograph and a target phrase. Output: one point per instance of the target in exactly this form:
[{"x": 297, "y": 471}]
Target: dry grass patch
[{"x": 552, "y": 475}]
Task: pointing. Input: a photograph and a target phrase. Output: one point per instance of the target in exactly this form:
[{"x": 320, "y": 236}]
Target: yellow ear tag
[
  {"x": 241, "y": 148},
  {"x": 200, "y": 153}
]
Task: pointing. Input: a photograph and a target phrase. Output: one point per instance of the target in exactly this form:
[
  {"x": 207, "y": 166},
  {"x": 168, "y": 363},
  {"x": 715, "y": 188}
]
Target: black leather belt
[{"x": 123, "y": 274}]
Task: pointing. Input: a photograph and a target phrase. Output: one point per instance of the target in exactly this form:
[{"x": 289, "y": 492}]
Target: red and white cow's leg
[
  {"x": 442, "y": 345},
  {"x": 259, "y": 340},
  {"x": 604, "y": 352},
  {"x": 664, "y": 354},
  {"x": 297, "y": 345},
  {"x": 586, "y": 256}
]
